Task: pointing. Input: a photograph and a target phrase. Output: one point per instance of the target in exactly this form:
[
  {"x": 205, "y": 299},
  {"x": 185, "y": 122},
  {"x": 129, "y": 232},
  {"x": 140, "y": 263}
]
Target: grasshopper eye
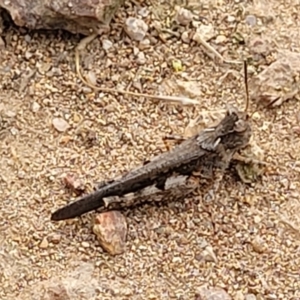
[
  {"x": 240, "y": 126},
  {"x": 217, "y": 142},
  {"x": 231, "y": 110}
]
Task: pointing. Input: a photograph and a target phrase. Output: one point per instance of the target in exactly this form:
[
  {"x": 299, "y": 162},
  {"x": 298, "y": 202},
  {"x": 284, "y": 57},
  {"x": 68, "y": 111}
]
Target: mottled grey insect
[{"x": 177, "y": 172}]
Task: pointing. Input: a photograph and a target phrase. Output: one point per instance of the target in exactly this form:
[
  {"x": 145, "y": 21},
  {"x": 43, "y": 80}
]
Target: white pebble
[{"x": 136, "y": 28}]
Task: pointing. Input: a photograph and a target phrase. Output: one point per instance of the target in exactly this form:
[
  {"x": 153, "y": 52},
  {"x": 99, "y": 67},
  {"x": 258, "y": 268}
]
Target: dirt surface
[{"x": 245, "y": 241}]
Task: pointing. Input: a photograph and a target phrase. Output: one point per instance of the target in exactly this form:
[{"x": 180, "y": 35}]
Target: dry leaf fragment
[{"x": 248, "y": 172}]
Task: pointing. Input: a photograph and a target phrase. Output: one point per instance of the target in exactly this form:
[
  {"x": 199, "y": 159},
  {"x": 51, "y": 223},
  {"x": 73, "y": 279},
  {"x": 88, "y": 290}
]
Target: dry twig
[
  {"x": 215, "y": 53},
  {"x": 82, "y": 45}
]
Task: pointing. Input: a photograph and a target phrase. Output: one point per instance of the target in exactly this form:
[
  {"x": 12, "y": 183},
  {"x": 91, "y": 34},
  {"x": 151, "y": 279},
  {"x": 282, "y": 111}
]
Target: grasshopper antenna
[
  {"x": 246, "y": 85},
  {"x": 247, "y": 89}
]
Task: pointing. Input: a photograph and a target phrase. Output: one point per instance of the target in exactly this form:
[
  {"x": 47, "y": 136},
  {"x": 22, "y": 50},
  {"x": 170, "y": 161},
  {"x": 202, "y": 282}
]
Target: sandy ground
[{"x": 236, "y": 242}]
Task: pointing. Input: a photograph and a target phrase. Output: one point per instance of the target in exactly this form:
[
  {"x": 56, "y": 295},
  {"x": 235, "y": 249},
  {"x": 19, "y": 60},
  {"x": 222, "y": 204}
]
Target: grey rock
[
  {"x": 136, "y": 28},
  {"x": 76, "y": 16}
]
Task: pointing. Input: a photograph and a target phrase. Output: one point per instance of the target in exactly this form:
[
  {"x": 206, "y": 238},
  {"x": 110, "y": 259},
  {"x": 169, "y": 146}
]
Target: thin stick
[
  {"x": 197, "y": 38},
  {"x": 84, "y": 42}
]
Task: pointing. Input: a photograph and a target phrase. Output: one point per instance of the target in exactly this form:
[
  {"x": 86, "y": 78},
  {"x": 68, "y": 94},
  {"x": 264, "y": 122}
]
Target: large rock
[
  {"x": 279, "y": 81},
  {"x": 76, "y": 16}
]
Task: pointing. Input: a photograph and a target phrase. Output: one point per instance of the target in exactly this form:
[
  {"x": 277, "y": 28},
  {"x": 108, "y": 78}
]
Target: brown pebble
[
  {"x": 111, "y": 230},
  {"x": 73, "y": 182},
  {"x": 55, "y": 238},
  {"x": 258, "y": 245}
]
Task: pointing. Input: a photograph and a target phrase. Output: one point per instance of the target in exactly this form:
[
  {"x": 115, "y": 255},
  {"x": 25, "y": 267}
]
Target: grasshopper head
[{"x": 236, "y": 131}]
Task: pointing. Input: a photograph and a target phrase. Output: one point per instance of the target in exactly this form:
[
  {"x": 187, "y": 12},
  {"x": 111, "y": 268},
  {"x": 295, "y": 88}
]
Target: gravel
[{"x": 245, "y": 241}]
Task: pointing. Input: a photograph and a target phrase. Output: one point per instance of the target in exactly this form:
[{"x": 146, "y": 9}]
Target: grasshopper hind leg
[
  {"x": 178, "y": 139},
  {"x": 211, "y": 194}
]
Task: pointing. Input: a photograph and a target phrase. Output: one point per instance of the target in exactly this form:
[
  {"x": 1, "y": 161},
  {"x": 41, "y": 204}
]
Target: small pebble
[
  {"x": 55, "y": 238},
  {"x": 250, "y": 297},
  {"x": 257, "y": 219},
  {"x": 87, "y": 90},
  {"x": 185, "y": 37},
  {"x": 212, "y": 293},
  {"x": 141, "y": 59},
  {"x": 136, "y": 28},
  {"x": 85, "y": 244},
  {"x": 144, "y": 12},
  {"x": 258, "y": 245},
  {"x": 184, "y": 16},
  {"x": 136, "y": 50},
  {"x": 230, "y": 19},
  {"x": 28, "y": 55},
  {"x": 106, "y": 44},
  {"x": 14, "y": 131},
  {"x": 220, "y": 39},
  {"x": 44, "y": 243},
  {"x": 43, "y": 67},
  {"x": 35, "y": 107},
  {"x": 251, "y": 20},
  {"x": 239, "y": 296},
  {"x": 144, "y": 44},
  {"x": 21, "y": 174},
  {"x": 60, "y": 124},
  {"x": 204, "y": 32},
  {"x": 27, "y": 38},
  {"x": 10, "y": 113},
  {"x": 209, "y": 255}
]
